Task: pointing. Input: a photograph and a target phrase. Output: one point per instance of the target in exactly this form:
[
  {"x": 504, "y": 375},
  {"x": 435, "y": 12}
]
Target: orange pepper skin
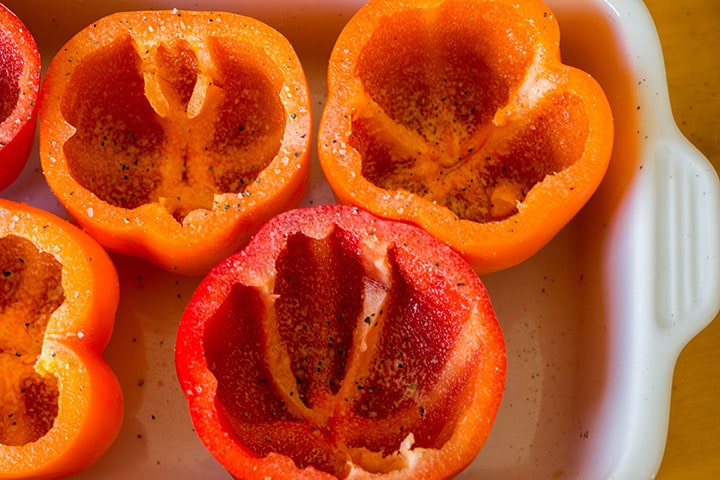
[
  {"x": 19, "y": 86},
  {"x": 173, "y": 135},
  {"x": 62, "y": 356},
  {"x": 459, "y": 116}
]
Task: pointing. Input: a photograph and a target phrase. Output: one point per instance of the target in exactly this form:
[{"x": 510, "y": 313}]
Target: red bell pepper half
[
  {"x": 19, "y": 85},
  {"x": 337, "y": 342}
]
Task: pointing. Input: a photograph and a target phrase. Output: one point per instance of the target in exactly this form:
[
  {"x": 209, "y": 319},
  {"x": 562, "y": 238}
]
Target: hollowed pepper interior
[
  {"x": 30, "y": 291},
  {"x": 162, "y": 125},
  {"x": 339, "y": 368},
  {"x": 11, "y": 67},
  {"x": 454, "y": 109}
]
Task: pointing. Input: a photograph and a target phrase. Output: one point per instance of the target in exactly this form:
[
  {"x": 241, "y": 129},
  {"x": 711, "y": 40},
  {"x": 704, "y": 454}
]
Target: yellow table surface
[{"x": 689, "y": 31}]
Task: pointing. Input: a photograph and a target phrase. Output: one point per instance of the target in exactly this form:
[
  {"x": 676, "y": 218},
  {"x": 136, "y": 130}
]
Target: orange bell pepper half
[
  {"x": 19, "y": 86},
  {"x": 61, "y": 405},
  {"x": 340, "y": 345},
  {"x": 173, "y": 135},
  {"x": 458, "y": 116}
]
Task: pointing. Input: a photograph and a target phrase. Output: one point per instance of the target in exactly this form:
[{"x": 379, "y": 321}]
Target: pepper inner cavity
[
  {"x": 339, "y": 357},
  {"x": 434, "y": 80},
  {"x": 30, "y": 291},
  {"x": 11, "y": 65},
  {"x": 159, "y": 126}
]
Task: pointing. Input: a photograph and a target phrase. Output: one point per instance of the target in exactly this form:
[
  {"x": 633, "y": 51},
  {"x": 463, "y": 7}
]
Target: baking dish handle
[{"x": 687, "y": 235}]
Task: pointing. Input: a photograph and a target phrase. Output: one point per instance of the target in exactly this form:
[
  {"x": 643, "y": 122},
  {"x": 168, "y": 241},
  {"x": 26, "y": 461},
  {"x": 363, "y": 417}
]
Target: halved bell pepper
[
  {"x": 60, "y": 403},
  {"x": 173, "y": 135},
  {"x": 19, "y": 85},
  {"x": 340, "y": 345},
  {"x": 458, "y": 116}
]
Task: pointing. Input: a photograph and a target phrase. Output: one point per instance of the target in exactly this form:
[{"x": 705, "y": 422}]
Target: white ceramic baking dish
[{"x": 593, "y": 323}]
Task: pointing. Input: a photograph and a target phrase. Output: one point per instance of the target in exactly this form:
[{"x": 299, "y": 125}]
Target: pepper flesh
[
  {"x": 203, "y": 136},
  {"x": 60, "y": 404},
  {"x": 458, "y": 116},
  {"x": 339, "y": 345},
  {"x": 19, "y": 86}
]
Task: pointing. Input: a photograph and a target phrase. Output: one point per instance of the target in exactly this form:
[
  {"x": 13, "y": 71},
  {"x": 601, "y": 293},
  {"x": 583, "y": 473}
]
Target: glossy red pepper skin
[
  {"x": 62, "y": 405},
  {"x": 337, "y": 341},
  {"x": 19, "y": 86}
]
